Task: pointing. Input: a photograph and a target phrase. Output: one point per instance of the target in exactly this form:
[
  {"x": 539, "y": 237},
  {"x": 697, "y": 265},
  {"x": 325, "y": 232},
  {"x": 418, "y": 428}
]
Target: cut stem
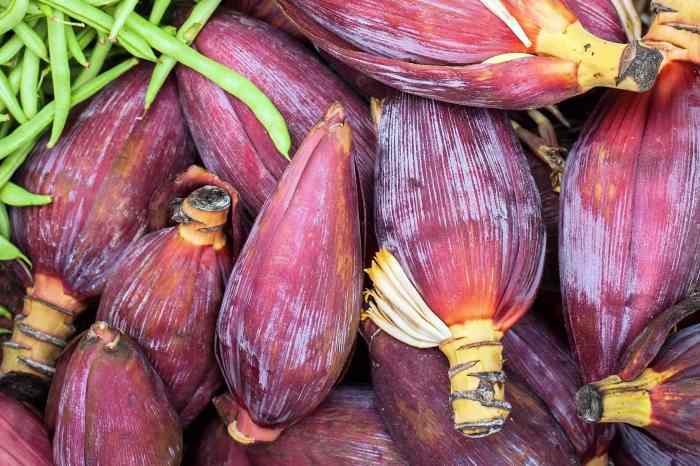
[
  {"x": 614, "y": 400},
  {"x": 632, "y": 67},
  {"x": 41, "y": 330},
  {"x": 202, "y": 216},
  {"x": 477, "y": 380}
]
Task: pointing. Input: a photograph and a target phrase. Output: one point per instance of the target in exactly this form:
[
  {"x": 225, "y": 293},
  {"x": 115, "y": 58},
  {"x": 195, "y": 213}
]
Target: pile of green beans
[{"x": 52, "y": 57}]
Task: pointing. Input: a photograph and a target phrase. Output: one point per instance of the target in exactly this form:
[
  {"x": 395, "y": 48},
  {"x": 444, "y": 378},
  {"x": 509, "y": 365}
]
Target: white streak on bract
[{"x": 497, "y": 8}]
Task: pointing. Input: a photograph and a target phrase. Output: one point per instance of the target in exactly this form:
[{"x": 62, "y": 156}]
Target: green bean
[
  {"x": 4, "y": 312},
  {"x": 85, "y": 37},
  {"x": 15, "y": 77},
  {"x": 32, "y": 40},
  {"x": 224, "y": 77},
  {"x": 32, "y": 10},
  {"x": 158, "y": 11},
  {"x": 10, "y": 48},
  {"x": 9, "y": 251},
  {"x": 103, "y": 22},
  {"x": 83, "y": 41},
  {"x": 74, "y": 46},
  {"x": 28, "y": 87},
  {"x": 13, "y": 15},
  {"x": 7, "y": 96},
  {"x": 16, "y": 196},
  {"x": 97, "y": 59},
  {"x": 160, "y": 73},
  {"x": 10, "y": 165},
  {"x": 5, "y": 226},
  {"x": 187, "y": 33},
  {"x": 30, "y": 130},
  {"x": 120, "y": 13},
  {"x": 60, "y": 72}
]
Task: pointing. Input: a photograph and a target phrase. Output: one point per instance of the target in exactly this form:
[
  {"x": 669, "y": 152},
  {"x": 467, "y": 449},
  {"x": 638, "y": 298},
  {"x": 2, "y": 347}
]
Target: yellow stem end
[
  {"x": 614, "y": 400},
  {"x": 632, "y": 67},
  {"x": 42, "y": 329},
  {"x": 476, "y": 378}
]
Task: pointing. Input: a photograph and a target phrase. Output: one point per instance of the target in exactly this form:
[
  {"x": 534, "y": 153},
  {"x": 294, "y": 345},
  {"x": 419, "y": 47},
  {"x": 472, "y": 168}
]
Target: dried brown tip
[
  {"x": 639, "y": 66},
  {"x": 589, "y": 405},
  {"x": 335, "y": 120},
  {"x": 101, "y": 331},
  {"x": 615, "y": 400},
  {"x": 202, "y": 216}
]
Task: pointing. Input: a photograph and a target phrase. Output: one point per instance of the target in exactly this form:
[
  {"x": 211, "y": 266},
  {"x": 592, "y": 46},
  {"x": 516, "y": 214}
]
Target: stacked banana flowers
[
  {"x": 101, "y": 177},
  {"x": 459, "y": 225},
  {"x": 510, "y": 54},
  {"x": 629, "y": 249}
]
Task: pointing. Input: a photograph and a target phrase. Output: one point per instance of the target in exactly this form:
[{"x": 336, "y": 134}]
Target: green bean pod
[
  {"x": 160, "y": 73},
  {"x": 32, "y": 40},
  {"x": 76, "y": 51},
  {"x": 32, "y": 9},
  {"x": 187, "y": 33},
  {"x": 97, "y": 59},
  {"x": 9, "y": 251},
  {"x": 103, "y": 22},
  {"x": 10, "y": 49},
  {"x": 5, "y": 313},
  {"x": 15, "y": 77},
  {"x": 5, "y": 227},
  {"x": 85, "y": 37},
  {"x": 9, "y": 99},
  {"x": 26, "y": 132},
  {"x": 12, "y": 163},
  {"x": 120, "y": 13},
  {"x": 13, "y": 15},
  {"x": 60, "y": 72},
  {"x": 158, "y": 11},
  {"x": 29, "y": 83},
  {"x": 16, "y": 196},
  {"x": 232, "y": 82}
]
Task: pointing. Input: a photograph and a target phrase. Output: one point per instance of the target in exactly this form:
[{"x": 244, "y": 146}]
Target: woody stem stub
[
  {"x": 615, "y": 400},
  {"x": 476, "y": 378},
  {"x": 41, "y": 330},
  {"x": 632, "y": 67},
  {"x": 202, "y": 216}
]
